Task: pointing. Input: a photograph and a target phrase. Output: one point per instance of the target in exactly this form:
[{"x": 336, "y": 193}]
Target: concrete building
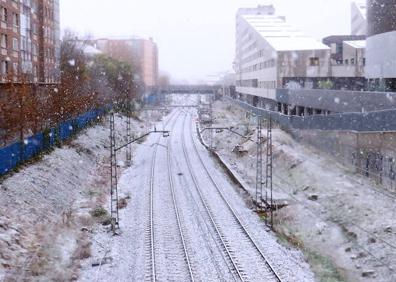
[
  {"x": 29, "y": 41},
  {"x": 358, "y": 18},
  {"x": 271, "y": 54},
  {"x": 381, "y": 42},
  {"x": 141, "y": 53},
  {"x": 348, "y": 60}
]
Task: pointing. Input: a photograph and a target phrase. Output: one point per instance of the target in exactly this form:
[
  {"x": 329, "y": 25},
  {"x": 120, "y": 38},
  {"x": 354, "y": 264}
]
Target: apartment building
[
  {"x": 29, "y": 41},
  {"x": 141, "y": 53},
  {"x": 272, "y": 54}
]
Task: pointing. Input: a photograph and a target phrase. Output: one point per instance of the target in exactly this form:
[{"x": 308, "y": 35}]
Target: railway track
[
  {"x": 151, "y": 273},
  {"x": 157, "y": 217},
  {"x": 176, "y": 209},
  {"x": 268, "y": 273}
]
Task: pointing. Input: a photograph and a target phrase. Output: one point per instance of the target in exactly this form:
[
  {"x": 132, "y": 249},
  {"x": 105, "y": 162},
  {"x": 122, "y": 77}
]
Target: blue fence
[{"x": 20, "y": 152}]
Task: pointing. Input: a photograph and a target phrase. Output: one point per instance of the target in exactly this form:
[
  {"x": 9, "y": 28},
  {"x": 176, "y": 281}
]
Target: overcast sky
[{"x": 195, "y": 37}]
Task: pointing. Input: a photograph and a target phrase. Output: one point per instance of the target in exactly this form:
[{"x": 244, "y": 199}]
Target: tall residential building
[
  {"x": 29, "y": 41},
  {"x": 358, "y": 18},
  {"x": 381, "y": 42},
  {"x": 141, "y": 53},
  {"x": 271, "y": 54}
]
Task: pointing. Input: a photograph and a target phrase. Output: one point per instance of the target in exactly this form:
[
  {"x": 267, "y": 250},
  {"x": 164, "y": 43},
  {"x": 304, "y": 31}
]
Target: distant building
[
  {"x": 381, "y": 42},
  {"x": 358, "y": 18},
  {"x": 348, "y": 60},
  {"x": 142, "y": 54},
  {"x": 271, "y": 54},
  {"x": 29, "y": 41}
]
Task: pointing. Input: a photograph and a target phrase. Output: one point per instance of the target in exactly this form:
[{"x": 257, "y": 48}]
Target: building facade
[
  {"x": 29, "y": 41},
  {"x": 381, "y": 42},
  {"x": 347, "y": 61},
  {"x": 141, "y": 53},
  {"x": 358, "y": 18},
  {"x": 271, "y": 54}
]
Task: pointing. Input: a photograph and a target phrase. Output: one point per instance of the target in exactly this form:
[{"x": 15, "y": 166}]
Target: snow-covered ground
[
  {"x": 343, "y": 222},
  {"x": 130, "y": 256},
  {"x": 45, "y": 207}
]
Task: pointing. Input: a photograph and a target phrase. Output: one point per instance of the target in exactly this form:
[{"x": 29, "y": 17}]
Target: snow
[
  {"x": 46, "y": 203},
  {"x": 346, "y": 224},
  {"x": 130, "y": 250},
  {"x": 358, "y": 44},
  {"x": 292, "y": 43},
  {"x": 282, "y": 36}
]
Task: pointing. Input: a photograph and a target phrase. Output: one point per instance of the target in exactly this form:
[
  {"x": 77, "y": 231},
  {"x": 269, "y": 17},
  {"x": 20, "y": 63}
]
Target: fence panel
[{"x": 16, "y": 153}]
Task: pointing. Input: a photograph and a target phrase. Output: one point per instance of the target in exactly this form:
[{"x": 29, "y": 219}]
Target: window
[
  {"x": 15, "y": 68},
  {"x": 15, "y": 44},
  {"x": 346, "y": 62},
  {"x": 352, "y": 61},
  {"x": 4, "y": 41},
  {"x": 4, "y": 67},
  {"x": 364, "y": 61},
  {"x": 314, "y": 61},
  {"x": 35, "y": 29},
  {"x": 15, "y": 19},
  {"x": 23, "y": 43},
  {"x": 34, "y": 49},
  {"x": 3, "y": 14},
  {"x": 339, "y": 48}
]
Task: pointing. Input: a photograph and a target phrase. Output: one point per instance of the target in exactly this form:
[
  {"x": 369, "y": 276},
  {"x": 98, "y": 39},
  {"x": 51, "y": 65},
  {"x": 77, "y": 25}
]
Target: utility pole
[
  {"x": 268, "y": 171},
  {"x": 128, "y": 150},
  {"x": 211, "y": 123},
  {"x": 113, "y": 179},
  {"x": 259, "y": 165}
]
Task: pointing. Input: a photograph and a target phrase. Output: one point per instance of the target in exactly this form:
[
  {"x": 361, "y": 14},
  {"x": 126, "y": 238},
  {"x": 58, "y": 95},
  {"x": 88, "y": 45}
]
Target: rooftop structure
[{"x": 336, "y": 43}]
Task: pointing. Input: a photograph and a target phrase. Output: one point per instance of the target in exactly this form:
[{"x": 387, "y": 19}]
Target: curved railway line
[{"x": 271, "y": 274}]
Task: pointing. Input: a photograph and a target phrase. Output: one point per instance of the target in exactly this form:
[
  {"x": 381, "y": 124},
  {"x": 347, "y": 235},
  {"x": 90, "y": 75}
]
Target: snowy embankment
[
  {"x": 46, "y": 207},
  {"x": 342, "y": 221}
]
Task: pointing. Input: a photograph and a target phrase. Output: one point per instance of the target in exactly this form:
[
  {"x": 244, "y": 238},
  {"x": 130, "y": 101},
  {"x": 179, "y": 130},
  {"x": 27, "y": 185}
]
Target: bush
[{"x": 99, "y": 212}]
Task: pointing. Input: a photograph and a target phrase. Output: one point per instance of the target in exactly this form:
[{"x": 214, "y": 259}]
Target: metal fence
[
  {"x": 13, "y": 155},
  {"x": 371, "y": 161},
  {"x": 384, "y": 121}
]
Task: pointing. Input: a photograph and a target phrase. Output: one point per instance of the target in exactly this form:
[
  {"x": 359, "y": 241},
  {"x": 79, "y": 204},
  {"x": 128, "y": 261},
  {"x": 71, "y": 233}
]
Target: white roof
[
  {"x": 362, "y": 7},
  {"x": 358, "y": 44},
  {"x": 295, "y": 43},
  {"x": 90, "y": 50},
  {"x": 282, "y": 36}
]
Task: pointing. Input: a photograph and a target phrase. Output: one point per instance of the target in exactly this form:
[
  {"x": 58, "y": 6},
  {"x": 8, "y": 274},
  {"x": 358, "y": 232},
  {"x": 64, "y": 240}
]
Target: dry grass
[
  {"x": 83, "y": 249},
  {"x": 122, "y": 203}
]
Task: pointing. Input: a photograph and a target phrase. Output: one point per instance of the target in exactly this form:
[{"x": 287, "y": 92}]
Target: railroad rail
[
  {"x": 275, "y": 275},
  {"x": 152, "y": 220},
  {"x": 221, "y": 238},
  {"x": 151, "y": 234},
  {"x": 176, "y": 209}
]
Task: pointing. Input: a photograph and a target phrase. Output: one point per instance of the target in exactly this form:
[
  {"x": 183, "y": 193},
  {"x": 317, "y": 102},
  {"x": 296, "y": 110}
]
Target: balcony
[
  {"x": 261, "y": 92},
  {"x": 347, "y": 71}
]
